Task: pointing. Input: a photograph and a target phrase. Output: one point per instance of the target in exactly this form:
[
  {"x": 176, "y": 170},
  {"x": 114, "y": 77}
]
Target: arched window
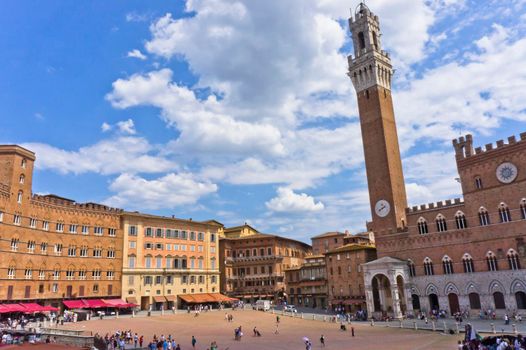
[
  {"x": 23, "y": 163},
  {"x": 523, "y": 208},
  {"x": 484, "y": 217},
  {"x": 441, "y": 223},
  {"x": 19, "y": 198},
  {"x": 422, "y": 226},
  {"x": 447, "y": 265},
  {"x": 361, "y": 40},
  {"x": 504, "y": 213},
  {"x": 467, "y": 262},
  {"x": 21, "y": 179},
  {"x": 460, "y": 220},
  {"x": 411, "y": 266},
  {"x": 478, "y": 182},
  {"x": 428, "y": 267},
  {"x": 491, "y": 259},
  {"x": 375, "y": 41},
  {"x": 513, "y": 260}
]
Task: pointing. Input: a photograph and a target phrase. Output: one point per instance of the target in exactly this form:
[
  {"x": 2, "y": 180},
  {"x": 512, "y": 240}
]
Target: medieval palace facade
[{"x": 464, "y": 254}]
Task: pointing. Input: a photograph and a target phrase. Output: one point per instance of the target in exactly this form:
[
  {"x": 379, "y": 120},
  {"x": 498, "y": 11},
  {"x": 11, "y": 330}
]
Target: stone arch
[
  {"x": 431, "y": 289},
  {"x": 517, "y": 286},
  {"x": 451, "y": 288},
  {"x": 471, "y": 287},
  {"x": 496, "y": 286},
  {"x": 415, "y": 290}
]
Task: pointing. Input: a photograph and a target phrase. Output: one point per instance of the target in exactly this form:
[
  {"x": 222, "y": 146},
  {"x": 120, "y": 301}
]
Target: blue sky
[{"x": 241, "y": 111}]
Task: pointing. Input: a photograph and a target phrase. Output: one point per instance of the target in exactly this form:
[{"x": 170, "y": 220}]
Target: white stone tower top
[{"x": 371, "y": 65}]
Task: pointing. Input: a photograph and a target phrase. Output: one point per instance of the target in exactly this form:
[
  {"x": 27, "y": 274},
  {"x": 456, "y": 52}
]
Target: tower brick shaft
[{"x": 370, "y": 71}]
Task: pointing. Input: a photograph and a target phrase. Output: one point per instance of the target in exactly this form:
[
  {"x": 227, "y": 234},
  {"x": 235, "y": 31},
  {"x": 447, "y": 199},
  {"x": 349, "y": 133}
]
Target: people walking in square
[
  {"x": 322, "y": 341},
  {"x": 194, "y": 341}
]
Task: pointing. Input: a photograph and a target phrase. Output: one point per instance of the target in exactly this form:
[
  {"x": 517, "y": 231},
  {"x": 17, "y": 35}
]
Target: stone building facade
[
  {"x": 253, "y": 264},
  {"x": 166, "y": 259},
  {"x": 456, "y": 255},
  {"x": 52, "y": 247},
  {"x": 306, "y": 284}
]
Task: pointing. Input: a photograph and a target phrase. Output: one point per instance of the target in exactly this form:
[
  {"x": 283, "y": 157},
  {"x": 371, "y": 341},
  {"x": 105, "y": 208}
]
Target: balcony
[{"x": 257, "y": 258}]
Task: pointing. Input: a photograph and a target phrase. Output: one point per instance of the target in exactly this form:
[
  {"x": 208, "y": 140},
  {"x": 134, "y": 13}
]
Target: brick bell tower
[{"x": 371, "y": 71}]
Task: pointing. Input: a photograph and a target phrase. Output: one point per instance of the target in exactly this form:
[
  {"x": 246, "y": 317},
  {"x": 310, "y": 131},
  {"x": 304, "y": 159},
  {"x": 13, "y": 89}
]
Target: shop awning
[
  {"x": 14, "y": 308},
  {"x": 206, "y": 298},
  {"x": 118, "y": 303},
  {"x": 95, "y": 303},
  {"x": 171, "y": 298},
  {"x": 75, "y": 304},
  {"x": 159, "y": 299},
  {"x": 132, "y": 300}
]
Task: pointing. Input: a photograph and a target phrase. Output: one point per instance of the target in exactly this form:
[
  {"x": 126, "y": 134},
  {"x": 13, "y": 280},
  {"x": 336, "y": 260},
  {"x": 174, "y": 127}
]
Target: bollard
[
  {"x": 493, "y": 328},
  {"x": 302, "y": 315},
  {"x": 514, "y": 328},
  {"x": 457, "y": 330},
  {"x": 313, "y": 316},
  {"x": 162, "y": 311},
  {"x": 324, "y": 318},
  {"x": 401, "y": 324},
  {"x": 434, "y": 326},
  {"x": 133, "y": 312},
  {"x": 415, "y": 325},
  {"x": 273, "y": 311},
  {"x": 116, "y": 313},
  {"x": 445, "y": 327},
  {"x": 372, "y": 322}
]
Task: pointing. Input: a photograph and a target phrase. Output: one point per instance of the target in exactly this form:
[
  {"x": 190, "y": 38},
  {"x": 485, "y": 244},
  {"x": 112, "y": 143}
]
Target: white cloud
[
  {"x": 204, "y": 128},
  {"x": 476, "y": 96},
  {"x": 105, "y": 127},
  {"x": 171, "y": 190},
  {"x": 135, "y": 53},
  {"x": 287, "y": 201},
  {"x": 126, "y": 127},
  {"x": 112, "y": 156}
]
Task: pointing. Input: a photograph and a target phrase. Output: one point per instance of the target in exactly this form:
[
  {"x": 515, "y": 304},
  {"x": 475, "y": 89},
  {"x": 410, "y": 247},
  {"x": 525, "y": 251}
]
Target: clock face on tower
[
  {"x": 506, "y": 172},
  {"x": 382, "y": 208}
]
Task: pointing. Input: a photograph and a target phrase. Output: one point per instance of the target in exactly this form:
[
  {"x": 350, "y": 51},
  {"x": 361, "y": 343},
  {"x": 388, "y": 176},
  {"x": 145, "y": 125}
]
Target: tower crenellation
[{"x": 464, "y": 145}]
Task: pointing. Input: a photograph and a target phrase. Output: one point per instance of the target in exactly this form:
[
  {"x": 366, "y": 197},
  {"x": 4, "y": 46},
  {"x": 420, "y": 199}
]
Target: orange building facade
[
  {"x": 168, "y": 259},
  {"x": 255, "y": 263},
  {"x": 52, "y": 247}
]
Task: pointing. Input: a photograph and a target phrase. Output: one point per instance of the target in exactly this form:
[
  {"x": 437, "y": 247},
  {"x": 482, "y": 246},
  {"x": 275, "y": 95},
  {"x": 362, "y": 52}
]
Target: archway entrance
[
  {"x": 416, "y": 301},
  {"x": 382, "y": 298},
  {"x": 433, "y": 302},
  {"x": 498, "y": 298},
  {"x": 474, "y": 301},
  {"x": 454, "y": 306},
  {"x": 520, "y": 298}
]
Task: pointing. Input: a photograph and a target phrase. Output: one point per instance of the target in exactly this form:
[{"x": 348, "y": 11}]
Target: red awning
[
  {"x": 15, "y": 308},
  {"x": 50, "y": 308},
  {"x": 3, "y": 309},
  {"x": 118, "y": 303},
  {"x": 75, "y": 304},
  {"x": 33, "y": 307},
  {"x": 95, "y": 303}
]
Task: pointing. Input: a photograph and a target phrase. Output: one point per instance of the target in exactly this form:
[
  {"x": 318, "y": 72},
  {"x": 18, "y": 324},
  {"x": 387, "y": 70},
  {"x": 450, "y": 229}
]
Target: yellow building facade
[{"x": 167, "y": 259}]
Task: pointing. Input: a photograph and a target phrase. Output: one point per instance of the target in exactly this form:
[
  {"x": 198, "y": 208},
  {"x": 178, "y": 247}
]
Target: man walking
[
  {"x": 322, "y": 341},
  {"x": 194, "y": 341}
]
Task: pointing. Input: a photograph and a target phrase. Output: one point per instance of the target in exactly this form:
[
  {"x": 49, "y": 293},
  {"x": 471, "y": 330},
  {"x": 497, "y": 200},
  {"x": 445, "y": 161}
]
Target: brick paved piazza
[{"x": 212, "y": 326}]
